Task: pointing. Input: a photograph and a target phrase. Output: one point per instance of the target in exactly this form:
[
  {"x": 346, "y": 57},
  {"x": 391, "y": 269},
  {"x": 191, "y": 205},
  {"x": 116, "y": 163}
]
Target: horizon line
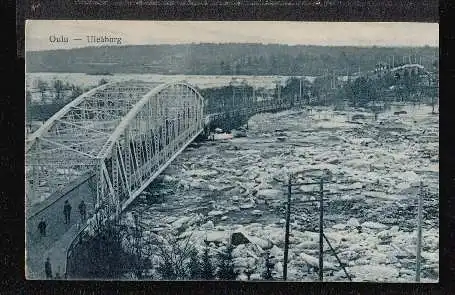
[{"x": 236, "y": 43}]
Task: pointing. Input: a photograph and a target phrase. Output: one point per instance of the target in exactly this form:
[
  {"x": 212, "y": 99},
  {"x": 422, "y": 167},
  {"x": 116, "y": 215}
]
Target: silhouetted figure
[
  {"x": 48, "y": 268},
  {"x": 83, "y": 210},
  {"x": 42, "y": 228},
  {"x": 67, "y": 212}
]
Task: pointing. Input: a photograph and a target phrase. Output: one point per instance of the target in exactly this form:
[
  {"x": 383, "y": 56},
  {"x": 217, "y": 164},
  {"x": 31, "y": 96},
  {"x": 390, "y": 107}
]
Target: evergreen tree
[
  {"x": 194, "y": 265},
  {"x": 269, "y": 265},
  {"x": 75, "y": 91},
  {"x": 226, "y": 264},
  {"x": 207, "y": 266},
  {"x": 249, "y": 271},
  {"x": 166, "y": 270}
]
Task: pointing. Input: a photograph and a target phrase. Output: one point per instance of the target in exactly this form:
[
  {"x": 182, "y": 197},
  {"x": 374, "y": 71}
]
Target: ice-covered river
[{"x": 216, "y": 188}]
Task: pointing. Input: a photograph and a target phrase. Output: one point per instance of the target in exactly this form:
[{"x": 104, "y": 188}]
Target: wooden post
[
  {"x": 419, "y": 233},
  {"x": 336, "y": 256},
  {"x": 286, "y": 236},
  {"x": 321, "y": 230}
]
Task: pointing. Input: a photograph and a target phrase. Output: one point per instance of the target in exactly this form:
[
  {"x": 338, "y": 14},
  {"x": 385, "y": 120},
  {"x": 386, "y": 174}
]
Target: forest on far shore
[{"x": 226, "y": 59}]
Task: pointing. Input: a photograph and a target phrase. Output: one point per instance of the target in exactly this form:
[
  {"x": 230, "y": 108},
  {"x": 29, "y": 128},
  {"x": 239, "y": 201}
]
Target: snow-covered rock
[
  {"x": 256, "y": 212},
  {"x": 216, "y": 236},
  {"x": 353, "y": 222},
  {"x": 207, "y": 225},
  {"x": 314, "y": 261},
  {"x": 248, "y": 205},
  {"x": 276, "y": 252},
  {"x": 339, "y": 226},
  {"x": 168, "y": 178},
  {"x": 264, "y": 244},
  {"x": 307, "y": 245},
  {"x": 269, "y": 193},
  {"x": 377, "y": 273},
  {"x": 215, "y": 213},
  {"x": 373, "y": 225}
]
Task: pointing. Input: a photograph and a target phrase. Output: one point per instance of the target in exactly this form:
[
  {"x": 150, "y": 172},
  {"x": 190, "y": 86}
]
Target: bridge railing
[
  {"x": 93, "y": 224},
  {"x": 81, "y": 236}
]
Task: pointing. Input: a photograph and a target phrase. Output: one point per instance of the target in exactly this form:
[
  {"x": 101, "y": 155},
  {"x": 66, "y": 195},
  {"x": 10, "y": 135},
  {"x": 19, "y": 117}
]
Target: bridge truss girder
[
  {"x": 121, "y": 132},
  {"x": 154, "y": 132}
]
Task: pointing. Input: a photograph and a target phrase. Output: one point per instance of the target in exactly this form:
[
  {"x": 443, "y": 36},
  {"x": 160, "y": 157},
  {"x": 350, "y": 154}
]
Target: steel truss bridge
[{"x": 124, "y": 134}]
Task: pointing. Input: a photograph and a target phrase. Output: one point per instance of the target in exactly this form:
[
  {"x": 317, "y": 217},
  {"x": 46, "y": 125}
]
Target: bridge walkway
[{"x": 58, "y": 234}]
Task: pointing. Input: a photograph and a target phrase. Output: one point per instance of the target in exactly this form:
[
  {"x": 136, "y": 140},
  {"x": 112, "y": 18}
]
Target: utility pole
[
  {"x": 279, "y": 90},
  {"x": 286, "y": 236},
  {"x": 321, "y": 230},
  {"x": 419, "y": 233}
]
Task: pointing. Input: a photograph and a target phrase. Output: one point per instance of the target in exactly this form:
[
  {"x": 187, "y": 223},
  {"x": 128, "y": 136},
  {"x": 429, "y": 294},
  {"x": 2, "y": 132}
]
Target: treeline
[
  {"x": 52, "y": 97},
  {"x": 224, "y": 59},
  {"x": 366, "y": 90},
  {"x": 326, "y": 90},
  {"x": 166, "y": 257}
]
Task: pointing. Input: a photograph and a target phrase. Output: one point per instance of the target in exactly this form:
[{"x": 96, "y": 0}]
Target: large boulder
[{"x": 238, "y": 238}]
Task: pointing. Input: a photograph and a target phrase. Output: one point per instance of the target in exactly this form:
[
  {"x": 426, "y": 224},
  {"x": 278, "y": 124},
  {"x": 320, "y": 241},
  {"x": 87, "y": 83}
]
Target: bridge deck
[{"x": 58, "y": 234}]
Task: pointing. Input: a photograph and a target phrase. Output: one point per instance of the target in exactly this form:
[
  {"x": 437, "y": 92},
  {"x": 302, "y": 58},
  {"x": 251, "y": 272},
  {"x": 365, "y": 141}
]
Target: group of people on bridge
[{"x": 42, "y": 225}]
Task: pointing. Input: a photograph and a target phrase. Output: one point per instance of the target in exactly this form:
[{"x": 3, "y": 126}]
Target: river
[{"x": 372, "y": 169}]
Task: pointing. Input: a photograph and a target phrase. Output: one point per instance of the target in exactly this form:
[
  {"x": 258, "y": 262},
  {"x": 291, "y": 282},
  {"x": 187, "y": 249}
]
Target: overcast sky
[{"x": 178, "y": 32}]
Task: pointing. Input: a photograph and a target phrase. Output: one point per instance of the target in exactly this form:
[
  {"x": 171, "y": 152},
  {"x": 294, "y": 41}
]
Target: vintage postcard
[{"x": 262, "y": 151}]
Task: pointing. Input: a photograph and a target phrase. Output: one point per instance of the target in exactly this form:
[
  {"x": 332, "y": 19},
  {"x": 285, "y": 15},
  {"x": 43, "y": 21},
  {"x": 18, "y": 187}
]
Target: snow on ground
[
  {"x": 82, "y": 79},
  {"x": 217, "y": 188}
]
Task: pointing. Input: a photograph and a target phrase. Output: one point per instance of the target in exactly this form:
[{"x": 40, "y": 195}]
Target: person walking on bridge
[
  {"x": 48, "y": 268},
  {"x": 42, "y": 227},
  {"x": 83, "y": 210},
  {"x": 67, "y": 212}
]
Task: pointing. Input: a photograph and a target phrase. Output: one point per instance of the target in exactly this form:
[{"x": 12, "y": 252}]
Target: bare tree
[
  {"x": 76, "y": 91},
  {"x": 175, "y": 256},
  {"x": 42, "y": 87},
  {"x": 58, "y": 88}
]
